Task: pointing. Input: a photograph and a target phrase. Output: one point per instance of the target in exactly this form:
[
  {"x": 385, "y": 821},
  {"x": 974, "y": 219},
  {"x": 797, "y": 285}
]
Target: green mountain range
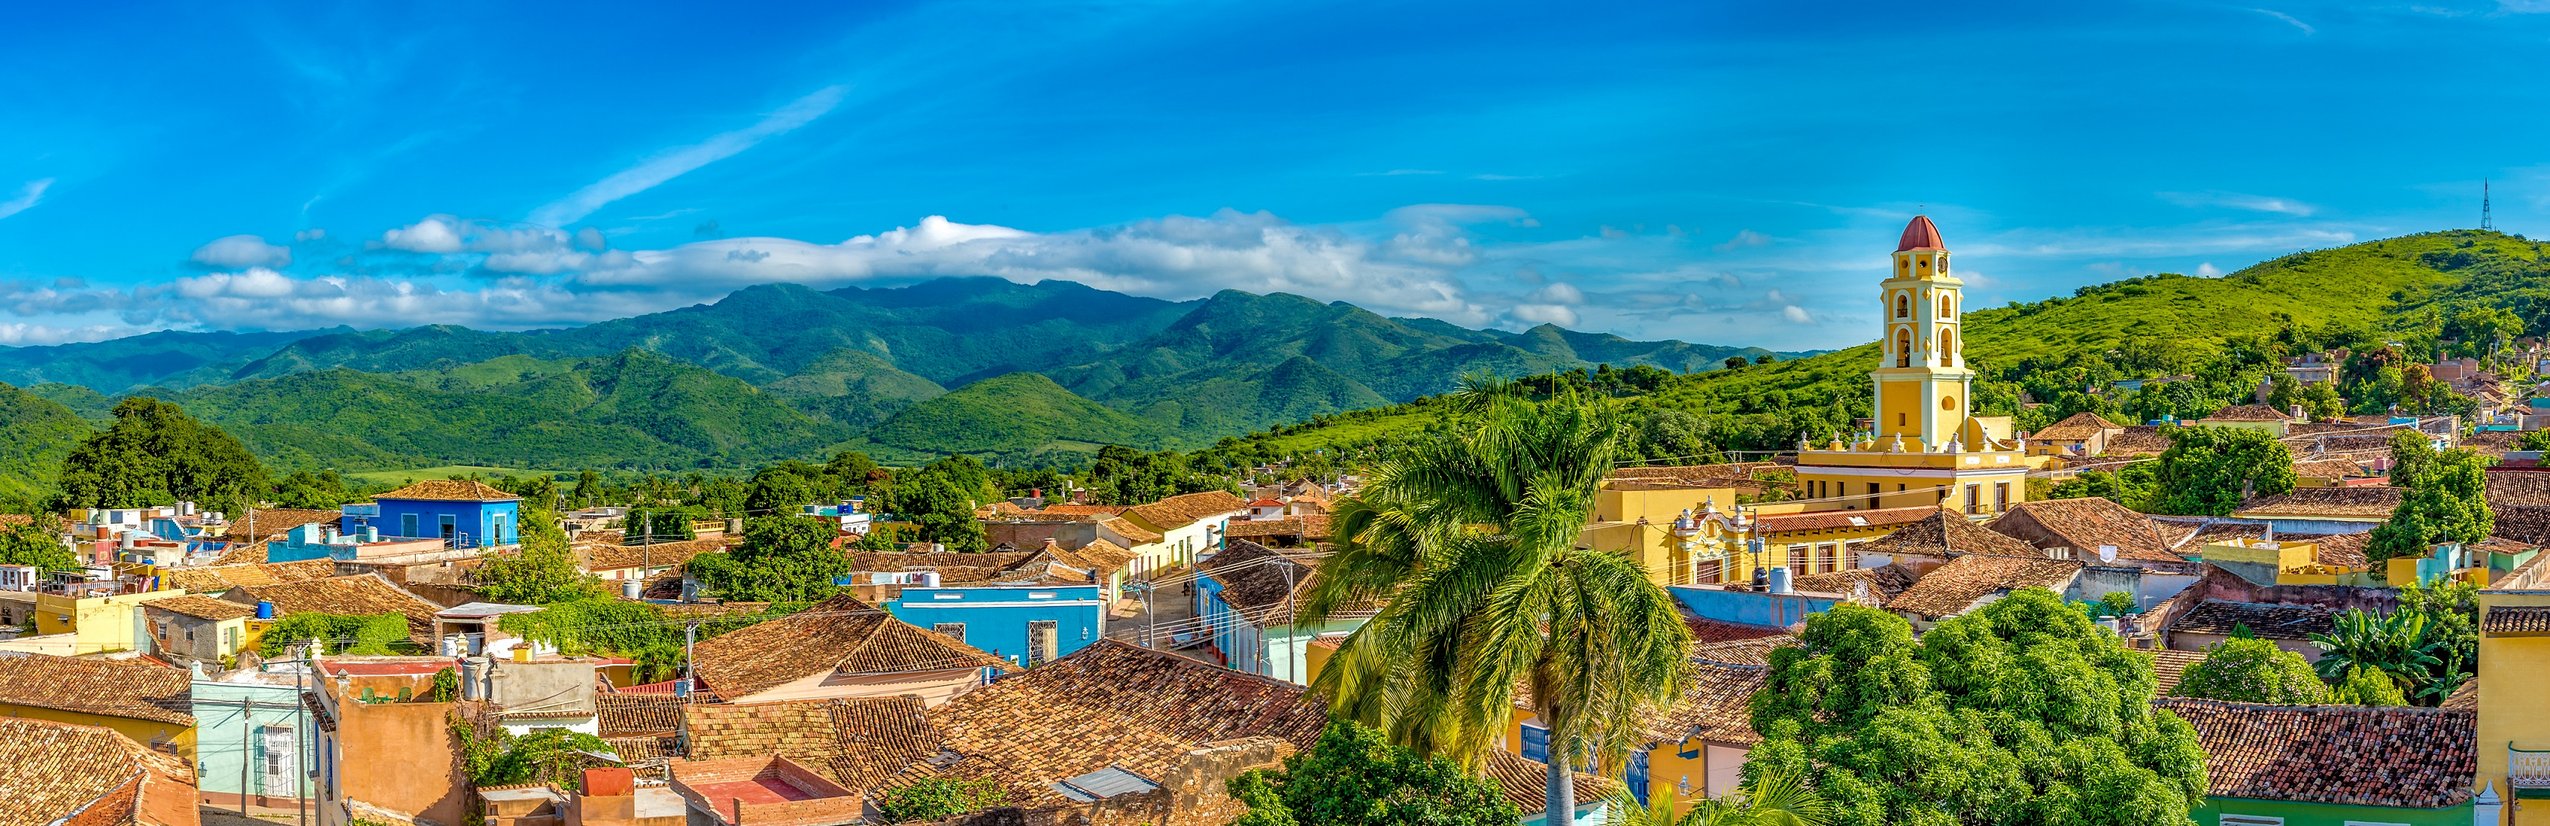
[{"x": 1012, "y": 372}]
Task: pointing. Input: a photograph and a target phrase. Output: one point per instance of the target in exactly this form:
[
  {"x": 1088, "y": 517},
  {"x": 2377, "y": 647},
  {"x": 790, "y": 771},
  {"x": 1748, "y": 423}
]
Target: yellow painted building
[
  {"x": 142, "y": 700},
  {"x": 1924, "y": 447},
  {"x": 100, "y": 623},
  {"x": 2514, "y": 662}
]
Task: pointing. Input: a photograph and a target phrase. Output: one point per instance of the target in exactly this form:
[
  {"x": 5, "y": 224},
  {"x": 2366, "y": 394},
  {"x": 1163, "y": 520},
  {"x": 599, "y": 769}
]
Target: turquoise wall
[{"x": 217, "y": 736}]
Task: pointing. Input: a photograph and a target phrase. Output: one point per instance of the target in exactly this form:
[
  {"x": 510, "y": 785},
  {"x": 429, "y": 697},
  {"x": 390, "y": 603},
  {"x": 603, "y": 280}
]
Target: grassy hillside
[
  {"x": 1015, "y": 415},
  {"x": 35, "y": 433},
  {"x": 2374, "y": 286}
]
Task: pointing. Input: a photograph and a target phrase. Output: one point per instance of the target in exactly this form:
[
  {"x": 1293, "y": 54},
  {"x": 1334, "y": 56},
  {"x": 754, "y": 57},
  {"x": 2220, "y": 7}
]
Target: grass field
[{"x": 401, "y": 477}]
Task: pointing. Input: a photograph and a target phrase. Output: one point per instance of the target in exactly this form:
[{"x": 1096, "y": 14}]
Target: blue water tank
[{"x": 265, "y": 610}]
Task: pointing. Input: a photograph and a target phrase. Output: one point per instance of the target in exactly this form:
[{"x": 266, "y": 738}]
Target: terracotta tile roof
[
  {"x": 624, "y": 714},
  {"x": 840, "y": 635},
  {"x": 2274, "y": 622},
  {"x": 1107, "y": 557},
  {"x": 2328, "y": 468},
  {"x": 2518, "y": 488},
  {"x": 1069, "y": 509},
  {"x": 2517, "y": 619},
  {"x": 1717, "y": 706},
  {"x": 450, "y": 490},
  {"x": 1731, "y": 475},
  {"x": 50, "y": 770},
  {"x": 2339, "y": 549},
  {"x": 1708, "y": 631},
  {"x": 202, "y": 607},
  {"x": 358, "y": 595},
  {"x": 2170, "y": 666},
  {"x": 2185, "y": 536},
  {"x": 1256, "y": 586},
  {"x": 215, "y": 579},
  {"x": 1186, "y": 509},
  {"x": 2465, "y": 698},
  {"x": 1866, "y": 586},
  {"x": 1952, "y": 588},
  {"x": 1836, "y": 520},
  {"x": 116, "y": 688},
  {"x": 2084, "y": 525},
  {"x": 615, "y": 556},
  {"x": 1113, "y": 704},
  {"x": 242, "y": 553},
  {"x": 2137, "y": 440},
  {"x": 2525, "y": 523},
  {"x": 1525, "y": 783},
  {"x": 1754, "y": 651},
  {"x": 2075, "y": 428},
  {"x": 1131, "y": 532},
  {"x": 1941, "y": 532},
  {"x": 2346, "y": 755},
  {"x": 1312, "y": 526},
  {"x": 634, "y": 749},
  {"x": 2249, "y": 413},
  {"x": 858, "y": 742},
  {"x": 265, "y": 523},
  {"x": 2369, "y": 502}
]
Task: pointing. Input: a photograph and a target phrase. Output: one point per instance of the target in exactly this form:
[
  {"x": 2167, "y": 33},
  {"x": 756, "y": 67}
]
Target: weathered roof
[
  {"x": 1956, "y": 586},
  {"x": 2518, "y": 488},
  {"x": 2275, "y": 622},
  {"x": 1867, "y": 586},
  {"x": 202, "y": 607},
  {"x": 450, "y": 490},
  {"x": 1113, "y": 705},
  {"x": 357, "y": 595},
  {"x": 2348, "y": 755},
  {"x": 615, "y": 556},
  {"x": 219, "y": 578},
  {"x": 2367, "y": 502},
  {"x": 1751, "y": 651},
  {"x": 49, "y": 770},
  {"x": 2137, "y": 440},
  {"x": 2170, "y": 666},
  {"x": 2338, "y": 549},
  {"x": 1524, "y": 781},
  {"x": 840, "y": 635},
  {"x": 261, "y": 523},
  {"x": 858, "y": 742},
  {"x": 1131, "y": 531},
  {"x": 623, "y": 714},
  {"x": 1717, "y": 706},
  {"x": 1837, "y": 520},
  {"x": 2517, "y": 619},
  {"x": 1099, "y": 555},
  {"x": 1306, "y": 526},
  {"x": 1257, "y": 580},
  {"x": 137, "y": 689},
  {"x": 1941, "y": 532},
  {"x": 1186, "y": 509},
  {"x": 2084, "y": 525},
  {"x": 2075, "y": 427},
  {"x": 1732, "y": 474},
  {"x": 2249, "y": 413}
]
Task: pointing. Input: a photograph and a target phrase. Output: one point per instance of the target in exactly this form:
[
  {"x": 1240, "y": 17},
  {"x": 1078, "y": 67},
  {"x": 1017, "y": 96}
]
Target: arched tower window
[
  {"x": 1903, "y": 347},
  {"x": 1947, "y": 347},
  {"x": 1903, "y": 306},
  {"x": 1943, "y": 307}
]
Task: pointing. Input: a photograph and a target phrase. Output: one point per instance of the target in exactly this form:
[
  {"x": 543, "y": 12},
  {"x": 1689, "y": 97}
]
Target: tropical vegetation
[{"x": 1354, "y": 777}]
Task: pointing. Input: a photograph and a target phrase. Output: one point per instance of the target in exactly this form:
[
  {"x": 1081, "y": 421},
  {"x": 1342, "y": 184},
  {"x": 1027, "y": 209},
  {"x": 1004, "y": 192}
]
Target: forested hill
[
  {"x": 2454, "y": 292},
  {"x": 1054, "y": 370}
]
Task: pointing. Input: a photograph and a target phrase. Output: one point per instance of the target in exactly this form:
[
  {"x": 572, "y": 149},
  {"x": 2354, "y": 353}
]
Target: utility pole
[
  {"x": 244, "y": 751},
  {"x": 690, "y": 637}
]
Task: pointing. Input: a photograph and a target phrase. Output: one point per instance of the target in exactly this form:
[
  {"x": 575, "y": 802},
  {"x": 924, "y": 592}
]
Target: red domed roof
[{"x": 1921, "y": 234}]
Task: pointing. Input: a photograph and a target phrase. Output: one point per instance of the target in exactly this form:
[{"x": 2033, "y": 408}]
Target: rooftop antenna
[{"x": 2486, "y": 222}]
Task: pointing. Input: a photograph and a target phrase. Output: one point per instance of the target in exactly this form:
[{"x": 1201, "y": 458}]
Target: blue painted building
[
  {"x": 250, "y": 729},
  {"x": 1245, "y": 599},
  {"x": 1026, "y": 623},
  {"x": 461, "y": 513}
]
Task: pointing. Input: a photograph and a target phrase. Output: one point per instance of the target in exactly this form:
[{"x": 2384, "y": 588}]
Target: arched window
[
  {"x": 1903, "y": 306},
  {"x": 1903, "y": 348},
  {"x": 1943, "y": 307},
  {"x": 1947, "y": 347}
]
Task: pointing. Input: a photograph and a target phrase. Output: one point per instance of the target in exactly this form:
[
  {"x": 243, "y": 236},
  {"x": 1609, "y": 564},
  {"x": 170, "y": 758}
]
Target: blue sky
[{"x": 1718, "y": 172}]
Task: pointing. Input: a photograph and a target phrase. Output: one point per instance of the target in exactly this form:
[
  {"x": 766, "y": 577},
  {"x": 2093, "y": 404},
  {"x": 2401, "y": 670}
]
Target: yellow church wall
[
  {"x": 1623, "y": 503},
  {"x": 1899, "y": 404}
]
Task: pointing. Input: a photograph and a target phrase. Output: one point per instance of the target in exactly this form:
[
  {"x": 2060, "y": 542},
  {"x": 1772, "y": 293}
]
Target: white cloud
[
  {"x": 1559, "y": 293},
  {"x": 28, "y": 196},
  {"x": 2235, "y": 200},
  {"x": 435, "y": 234},
  {"x": 1744, "y": 238},
  {"x": 1796, "y": 314},
  {"x": 309, "y": 235},
  {"x": 669, "y": 165},
  {"x": 236, "y": 252},
  {"x": 1545, "y": 314},
  {"x": 2207, "y": 270}
]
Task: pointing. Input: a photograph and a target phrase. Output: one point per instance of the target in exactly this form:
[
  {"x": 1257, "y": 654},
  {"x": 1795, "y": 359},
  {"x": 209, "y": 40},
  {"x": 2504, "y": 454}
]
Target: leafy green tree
[
  {"x": 551, "y": 756},
  {"x": 722, "y": 496},
  {"x": 541, "y": 570},
  {"x": 37, "y": 543},
  {"x": 2446, "y": 501},
  {"x": 939, "y": 798},
  {"x": 2320, "y": 401},
  {"x": 935, "y": 501},
  {"x": 2366, "y": 687},
  {"x": 358, "y": 635},
  {"x": 2209, "y": 471},
  {"x": 851, "y": 473},
  {"x": 1469, "y": 542},
  {"x": 1124, "y": 476},
  {"x": 588, "y": 490},
  {"x": 155, "y": 454},
  {"x": 2021, "y": 712},
  {"x": 1352, "y": 777},
  {"x": 1734, "y": 362},
  {"x": 780, "y": 489},
  {"x": 1776, "y": 800},
  {"x": 2450, "y": 611},
  {"x": 2534, "y": 440},
  {"x": 2130, "y": 485},
  {"x": 304, "y": 489},
  {"x": 2252, "y": 670},
  {"x": 2395, "y": 646},
  {"x": 782, "y": 559},
  {"x": 646, "y": 526}
]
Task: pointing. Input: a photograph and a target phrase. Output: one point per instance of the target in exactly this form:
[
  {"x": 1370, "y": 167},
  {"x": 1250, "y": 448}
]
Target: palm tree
[
  {"x": 1468, "y": 544},
  {"x": 2394, "y": 645},
  {"x": 1775, "y": 800}
]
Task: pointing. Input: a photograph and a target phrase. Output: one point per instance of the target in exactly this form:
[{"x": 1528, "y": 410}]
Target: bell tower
[{"x": 1921, "y": 377}]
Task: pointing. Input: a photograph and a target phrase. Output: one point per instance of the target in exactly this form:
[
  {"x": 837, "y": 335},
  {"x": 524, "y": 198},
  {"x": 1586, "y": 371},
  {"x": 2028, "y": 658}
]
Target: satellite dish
[{"x": 2106, "y": 553}]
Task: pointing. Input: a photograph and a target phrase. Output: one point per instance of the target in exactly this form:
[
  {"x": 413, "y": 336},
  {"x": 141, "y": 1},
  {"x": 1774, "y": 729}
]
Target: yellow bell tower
[{"x": 1921, "y": 374}]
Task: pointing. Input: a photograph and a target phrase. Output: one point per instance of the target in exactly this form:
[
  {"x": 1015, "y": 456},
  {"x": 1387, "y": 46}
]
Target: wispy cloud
[
  {"x": 28, "y": 196},
  {"x": 1744, "y": 238},
  {"x": 665, "y": 167},
  {"x": 2289, "y": 20},
  {"x": 2524, "y": 6},
  {"x": 2235, "y": 200}
]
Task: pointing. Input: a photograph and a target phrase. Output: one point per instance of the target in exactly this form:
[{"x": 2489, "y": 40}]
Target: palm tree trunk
[{"x": 1562, "y": 783}]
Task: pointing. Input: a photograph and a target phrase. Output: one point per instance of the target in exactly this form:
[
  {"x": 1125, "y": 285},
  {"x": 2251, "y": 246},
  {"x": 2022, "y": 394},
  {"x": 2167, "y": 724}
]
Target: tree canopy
[
  {"x": 2252, "y": 670},
  {"x": 939, "y": 499},
  {"x": 2022, "y": 712},
  {"x": 2446, "y": 500},
  {"x": 1352, "y": 777},
  {"x": 155, "y": 454},
  {"x": 2209, "y": 471},
  {"x": 36, "y": 543},
  {"x": 541, "y": 571},
  {"x": 782, "y": 559}
]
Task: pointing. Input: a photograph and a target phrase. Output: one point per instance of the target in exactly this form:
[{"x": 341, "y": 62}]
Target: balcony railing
[{"x": 2528, "y": 768}]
